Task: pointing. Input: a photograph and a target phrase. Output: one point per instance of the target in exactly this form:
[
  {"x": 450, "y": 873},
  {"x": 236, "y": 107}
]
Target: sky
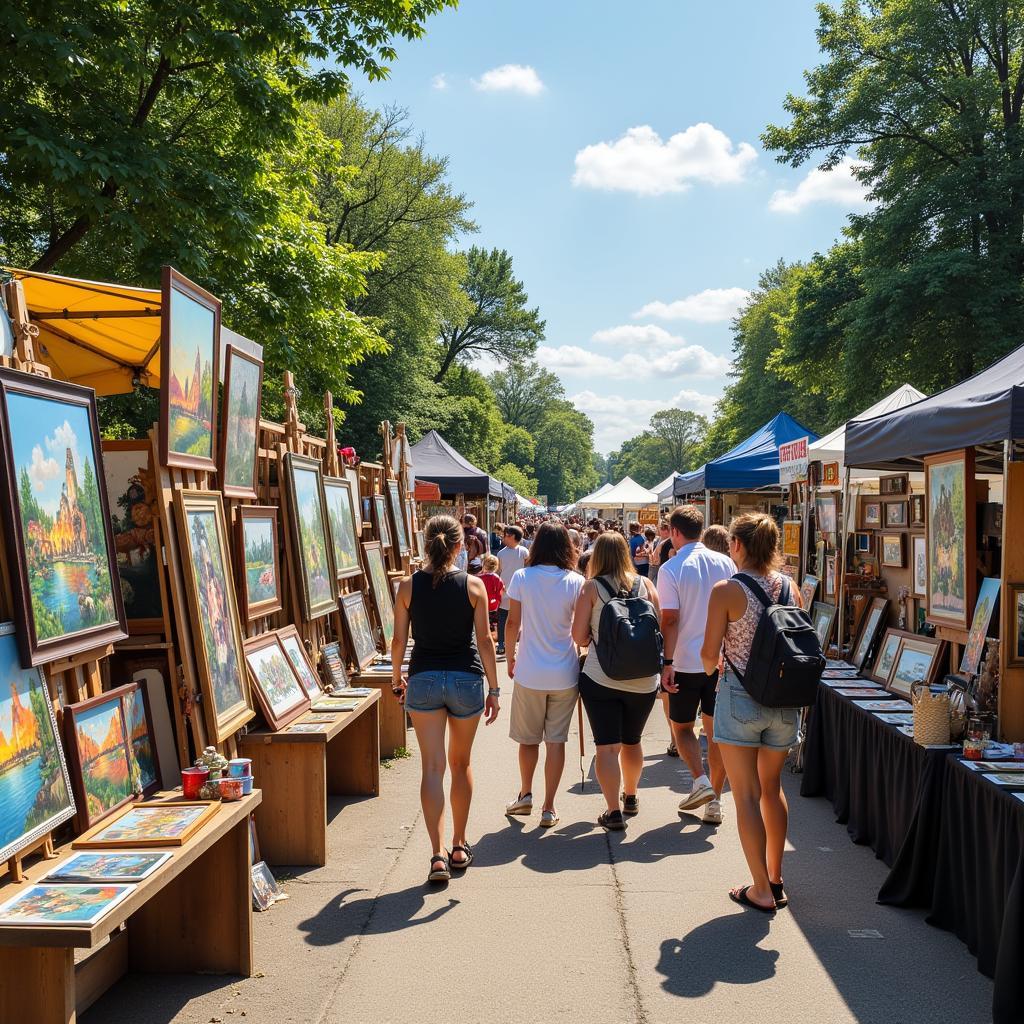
[{"x": 614, "y": 152}]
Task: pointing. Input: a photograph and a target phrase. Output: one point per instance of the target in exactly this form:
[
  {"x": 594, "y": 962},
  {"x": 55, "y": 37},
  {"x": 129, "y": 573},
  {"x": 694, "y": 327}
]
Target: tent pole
[
  {"x": 841, "y": 559},
  {"x": 803, "y": 533},
  {"x": 707, "y": 506}
]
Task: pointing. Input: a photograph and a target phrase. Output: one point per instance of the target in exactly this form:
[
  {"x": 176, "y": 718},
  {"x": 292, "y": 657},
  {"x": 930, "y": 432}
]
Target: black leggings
[{"x": 616, "y": 716}]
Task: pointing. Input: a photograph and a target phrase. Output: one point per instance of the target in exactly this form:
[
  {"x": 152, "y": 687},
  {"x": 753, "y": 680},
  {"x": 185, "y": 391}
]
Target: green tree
[
  {"x": 565, "y": 446},
  {"x": 89, "y": 500},
  {"x": 679, "y": 432},
  {"x": 499, "y": 322},
  {"x": 515, "y": 477},
  {"x": 645, "y": 457},
  {"x": 468, "y": 418},
  {"x": 523, "y": 391},
  {"x": 518, "y": 447}
]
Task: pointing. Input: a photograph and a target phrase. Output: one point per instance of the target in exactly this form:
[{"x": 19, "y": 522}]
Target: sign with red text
[{"x": 793, "y": 461}]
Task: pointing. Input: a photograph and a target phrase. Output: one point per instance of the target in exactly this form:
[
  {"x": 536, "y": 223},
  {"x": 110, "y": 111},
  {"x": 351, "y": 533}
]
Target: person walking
[
  {"x": 617, "y": 708},
  {"x": 511, "y": 558},
  {"x": 685, "y": 583},
  {"x": 543, "y": 663},
  {"x": 476, "y": 543},
  {"x": 716, "y": 538},
  {"x": 639, "y": 550},
  {"x": 754, "y": 739},
  {"x": 444, "y": 691},
  {"x": 495, "y": 590}
]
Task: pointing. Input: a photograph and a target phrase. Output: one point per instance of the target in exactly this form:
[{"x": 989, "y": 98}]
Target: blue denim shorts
[
  {"x": 461, "y": 694},
  {"x": 742, "y": 722}
]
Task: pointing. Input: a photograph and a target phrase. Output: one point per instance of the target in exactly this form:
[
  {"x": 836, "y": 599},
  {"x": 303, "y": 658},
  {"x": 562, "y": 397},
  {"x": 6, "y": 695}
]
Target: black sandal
[
  {"x": 613, "y": 821},
  {"x": 781, "y": 899},
  {"x": 744, "y": 900},
  {"x": 444, "y": 874},
  {"x": 461, "y": 865}
]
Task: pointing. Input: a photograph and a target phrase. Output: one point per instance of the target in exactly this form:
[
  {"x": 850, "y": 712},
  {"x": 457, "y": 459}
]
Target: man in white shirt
[
  {"x": 511, "y": 558},
  {"x": 684, "y": 588}
]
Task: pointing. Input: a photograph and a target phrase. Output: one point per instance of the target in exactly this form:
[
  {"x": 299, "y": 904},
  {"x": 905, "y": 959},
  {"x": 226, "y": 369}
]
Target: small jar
[{"x": 975, "y": 739}]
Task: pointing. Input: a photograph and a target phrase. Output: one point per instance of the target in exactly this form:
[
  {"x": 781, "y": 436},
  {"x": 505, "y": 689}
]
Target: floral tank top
[{"x": 739, "y": 635}]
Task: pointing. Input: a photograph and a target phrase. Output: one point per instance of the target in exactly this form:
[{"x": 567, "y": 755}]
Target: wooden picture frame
[
  {"x": 421, "y": 543},
  {"x": 381, "y": 522},
  {"x": 122, "y": 832},
  {"x": 213, "y": 614},
  {"x": 341, "y": 520},
  {"x": 352, "y": 476},
  {"x": 919, "y": 660},
  {"x": 917, "y": 510},
  {"x": 141, "y": 736},
  {"x": 792, "y": 532},
  {"x": 295, "y": 649},
  {"x": 984, "y": 609},
  {"x": 279, "y": 691},
  {"x": 187, "y": 314},
  {"x": 311, "y": 543},
  {"x": 380, "y": 589},
  {"x": 872, "y": 624},
  {"x": 333, "y": 665},
  {"x": 59, "y": 536},
  {"x": 1013, "y": 624},
  {"x": 892, "y": 550},
  {"x": 951, "y": 550},
  {"x": 399, "y": 527},
  {"x": 831, "y": 577},
  {"x": 359, "y": 637},
  {"x": 919, "y": 565},
  {"x": 258, "y": 543},
  {"x": 894, "y": 515},
  {"x": 808, "y": 591},
  {"x": 237, "y": 451},
  {"x": 895, "y": 484},
  {"x": 869, "y": 512},
  {"x": 885, "y": 656},
  {"x": 830, "y": 474},
  {"x": 823, "y": 617},
  {"x": 826, "y": 512}
]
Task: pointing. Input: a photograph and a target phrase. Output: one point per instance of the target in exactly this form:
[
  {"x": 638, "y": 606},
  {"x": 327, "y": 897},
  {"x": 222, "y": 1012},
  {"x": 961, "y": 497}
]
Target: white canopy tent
[
  {"x": 627, "y": 494},
  {"x": 590, "y": 500},
  {"x": 666, "y": 489}
]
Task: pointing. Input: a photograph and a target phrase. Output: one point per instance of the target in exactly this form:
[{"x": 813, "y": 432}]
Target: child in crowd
[
  {"x": 495, "y": 588},
  {"x": 716, "y": 538}
]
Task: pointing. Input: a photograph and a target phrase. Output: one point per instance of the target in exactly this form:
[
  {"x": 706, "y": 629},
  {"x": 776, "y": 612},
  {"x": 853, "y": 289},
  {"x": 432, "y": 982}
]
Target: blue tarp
[{"x": 751, "y": 465}]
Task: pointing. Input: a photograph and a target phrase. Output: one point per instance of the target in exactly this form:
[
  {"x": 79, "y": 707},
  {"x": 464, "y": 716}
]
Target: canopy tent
[
  {"x": 666, "y": 488},
  {"x": 982, "y": 411},
  {"x": 525, "y": 503},
  {"x": 751, "y": 465},
  {"x": 590, "y": 499},
  {"x": 627, "y": 493},
  {"x": 832, "y": 447},
  {"x": 434, "y": 459}
]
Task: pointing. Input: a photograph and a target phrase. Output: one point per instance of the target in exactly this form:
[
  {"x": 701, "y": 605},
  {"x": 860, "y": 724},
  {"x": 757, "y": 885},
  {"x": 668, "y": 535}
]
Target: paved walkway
[{"x": 574, "y": 924}]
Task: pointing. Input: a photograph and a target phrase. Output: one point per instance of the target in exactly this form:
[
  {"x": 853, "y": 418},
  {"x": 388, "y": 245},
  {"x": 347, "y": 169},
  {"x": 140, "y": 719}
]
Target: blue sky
[{"x": 613, "y": 150}]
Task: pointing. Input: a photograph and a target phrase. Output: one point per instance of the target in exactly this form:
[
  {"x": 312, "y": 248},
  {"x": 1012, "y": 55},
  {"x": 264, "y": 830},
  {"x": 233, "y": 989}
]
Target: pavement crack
[{"x": 619, "y": 892}]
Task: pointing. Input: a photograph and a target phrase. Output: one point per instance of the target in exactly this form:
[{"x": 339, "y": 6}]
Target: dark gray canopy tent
[{"x": 434, "y": 459}]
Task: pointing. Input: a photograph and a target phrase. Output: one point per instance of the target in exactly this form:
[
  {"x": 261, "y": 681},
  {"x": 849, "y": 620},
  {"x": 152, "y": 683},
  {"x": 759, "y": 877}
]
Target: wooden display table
[
  {"x": 297, "y": 770},
  {"x": 193, "y": 914},
  {"x": 393, "y": 719}
]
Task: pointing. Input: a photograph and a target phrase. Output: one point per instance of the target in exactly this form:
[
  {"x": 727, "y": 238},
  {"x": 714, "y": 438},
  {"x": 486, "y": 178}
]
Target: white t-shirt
[
  {"x": 546, "y": 657},
  {"x": 510, "y": 561},
  {"x": 684, "y": 584}
]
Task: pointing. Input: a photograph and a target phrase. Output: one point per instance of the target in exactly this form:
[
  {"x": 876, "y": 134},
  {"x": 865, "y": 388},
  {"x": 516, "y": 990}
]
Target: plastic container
[
  {"x": 246, "y": 785},
  {"x": 192, "y": 780},
  {"x": 230, "y": 789},
  {"x": 238, "y": 767}
]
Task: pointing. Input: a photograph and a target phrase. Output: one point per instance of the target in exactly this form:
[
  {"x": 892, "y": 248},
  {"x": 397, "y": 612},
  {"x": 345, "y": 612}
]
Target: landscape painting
[
  {"x": 988, "y": 601},
  {"x": 153, "y": 824},
  {"x": 107, "y": 867},
  {"x": 140, "y": 738},
  {"x": 35, "y": 787},
  {"x": 70, "y": 905},
  {"x": 949, "y": 525},
  {"x": 913, "y": 665},
  {"x": 341, "y": 515},
  {"x": 398, "y": 517},
  {"x": 189, "y": 365},
  {"x": 292, "y": 644},
  {"x": 380, "y": 590},
  {"x": 278, "y": 689},
  {"x": 361, "y": 643},
  {"x": 60, "y": 540},
  {"x": 1015, "y": 623},
  {"x": 309, "y": 533},
  {"x": 258, "y": 546},
  {"x": 380, "y": 520},
  {"x": 240, "y": 418}
]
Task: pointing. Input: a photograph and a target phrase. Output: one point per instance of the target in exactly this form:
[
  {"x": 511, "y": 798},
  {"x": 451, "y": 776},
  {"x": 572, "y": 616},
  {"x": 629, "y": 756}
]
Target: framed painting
[
  {"x": 974, "y": 649},
  {"x": 791, "y": 531},
  {"x": 863, "y": 543},
  {"x": 333, "y": 666},
  {"x": 421, "y": 543},
  {"x": 1013, "y": 633},
  {"x": 135, "y": 522},
  {"x": 830, "y": 576},
  {"x": 70, "y": 906},
  {"x": 917, "y": 510},
  {"x": 380, "y": 589},
  {"x": 189, "y": 372},
  {"x": 156, "y": 824},
  {"x": 949, "y": 511},
  {"x": 358, "y": 631},
  {"x": 293, "y": 647},
  {"x": 259, "y": 555},
  {"x": 352, "y": 476},
  {"x": 874, "y": 620},
  {"x": 885, "y": 657},
  {"x": 107, "y": 867},
  {"x": 278, "y": 690},
  {"x": 381, "y": 525},
  {"x": 341, "y": 516},
  {"x": 869, "y": 512},
  {"x": 35, "y": 785},
  {"x": 239, "y": 423},
  {"x": 822, "y": 618},
  {"x": 399, "y": 528},
  {"x": 918, "y": 661},
  {"x": 138, "y": 722},
  {"x": 808, "y": 591},
  {"x": 307, "y": 515},
  {"x": 919, "y": 564},
  {"x": 896, "y": 484},
  {"x": 60, "y": 543},
  {"x": 830, "y": 474},
  {"x": 893, "y": 550},
  {"x": 894, "y": 515},
  {"x": 826, "y": 512},
  {"x": 216, "y": 628},
  {"x": 99, "y": 755}
]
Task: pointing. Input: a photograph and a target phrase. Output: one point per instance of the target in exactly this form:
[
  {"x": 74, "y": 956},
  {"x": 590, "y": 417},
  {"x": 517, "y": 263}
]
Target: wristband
[
  {"x": 666, "y": 661},
  {"x": 494, "y": 692}
]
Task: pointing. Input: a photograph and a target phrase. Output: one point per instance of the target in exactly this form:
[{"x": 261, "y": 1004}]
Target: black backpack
[
  {"x": 785, "y": 661},
  {"x": 629, "y": 642}
]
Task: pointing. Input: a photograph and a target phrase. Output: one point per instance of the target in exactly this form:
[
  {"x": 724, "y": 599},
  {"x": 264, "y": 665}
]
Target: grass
[{"x": 400, "y": 754}]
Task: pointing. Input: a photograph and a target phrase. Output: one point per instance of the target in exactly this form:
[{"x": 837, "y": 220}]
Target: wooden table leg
[
  {"x": 201, "y": 921},
  {"x": 37, "y": 985},
  {"x": 353, "y": 757},
  {"x": 291, "y": 822},
  {"x": 392, "y": 716}
]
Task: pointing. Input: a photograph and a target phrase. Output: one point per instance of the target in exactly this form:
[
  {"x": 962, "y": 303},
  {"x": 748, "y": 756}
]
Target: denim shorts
[
  {"x": 741, "y": 722},
  {"x": 461, "y": 694}
]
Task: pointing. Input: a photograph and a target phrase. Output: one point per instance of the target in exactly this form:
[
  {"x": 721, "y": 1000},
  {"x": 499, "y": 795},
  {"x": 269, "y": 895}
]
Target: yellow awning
[{"x": 104, "y": 336}]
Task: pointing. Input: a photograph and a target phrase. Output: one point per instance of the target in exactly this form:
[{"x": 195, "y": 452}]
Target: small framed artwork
[
  {"x": 917, "y": 513},
  {"x": 155, "y": 824},
  {"x": 864, "y": 543},
  {"x": 893, "y": 550},
  {"x": 398, "y": 524},
  {"x": 826, "y": 512},
  {"x": 974, "y": 649},
  {"x": 381, "y": 525},
  {"x": 894, "y": 514},
  {"x": 141, "y": 741},
  {"x": 296, "y": 651},
  {"x": 950, "y": 514},
  {"x": 830, "y": 474},
  {"x": 874, "y": 620},
  {"x": 380, "y": 589},
  {"x": 307, "y": 515},
  {"x": 421, "y": 543},
  {"x": 351, "y": 474},
  {"x": 919, "y": 557},
  {"x": 830, "y": 576},
  {"x": 918, "y": 661},
  {"x": 333, "y": 666},
  {"x": 259, "y": 555},
  {"x": 107, "y": 867},
  {"x": 1014, "y": 618},
  {"x": 239, "y": 423},
  {"x": 358, "y": 631},
  {"x": 885, "y": 657},
  {"x": 71, "y": 906},
  {"x": 278, "y": 691},
  {"x": 341, "y": 517},
  {"x": 896, "y": 484},
  {"x": 791, "y": 530},
  {"x": 822, "y": 618},
  {"x": 808, "y": 591},
  {"x": 869, "y": 512}
]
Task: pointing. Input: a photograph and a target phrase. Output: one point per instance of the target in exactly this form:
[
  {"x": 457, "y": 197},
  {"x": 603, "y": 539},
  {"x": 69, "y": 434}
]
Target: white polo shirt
[
  {"x": 510, "y": 561},
  {"x": 684, "y": 584}
]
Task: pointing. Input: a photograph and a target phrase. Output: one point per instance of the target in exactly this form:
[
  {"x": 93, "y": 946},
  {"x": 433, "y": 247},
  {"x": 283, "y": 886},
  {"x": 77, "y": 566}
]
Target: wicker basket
[{"x": 931, "y": 715}]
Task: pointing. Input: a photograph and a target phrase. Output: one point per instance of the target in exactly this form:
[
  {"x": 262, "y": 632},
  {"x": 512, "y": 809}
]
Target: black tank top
[{"x": 442, "y": 625}]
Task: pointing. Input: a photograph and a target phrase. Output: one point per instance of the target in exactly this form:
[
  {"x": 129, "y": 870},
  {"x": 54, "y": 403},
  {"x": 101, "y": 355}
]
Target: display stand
[
  {"x": 192, "y": 915},
  {"x": 393, "y": 719},
  {"x": 305, "y": 768}
]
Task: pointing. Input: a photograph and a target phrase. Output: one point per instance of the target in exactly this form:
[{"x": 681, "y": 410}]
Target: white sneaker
[
  {"x": 699, "y": 796},
  {"x": 521, "y": 805},
  {"x": 549, "y": 819},
  {"x": 713, "y": 813}
]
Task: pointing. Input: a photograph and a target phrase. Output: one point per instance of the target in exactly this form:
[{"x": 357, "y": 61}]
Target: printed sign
[{"x": 793, "y": 461}]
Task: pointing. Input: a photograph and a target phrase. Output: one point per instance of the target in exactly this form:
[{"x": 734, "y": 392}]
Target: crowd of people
[{"x": 616, "y": 619}]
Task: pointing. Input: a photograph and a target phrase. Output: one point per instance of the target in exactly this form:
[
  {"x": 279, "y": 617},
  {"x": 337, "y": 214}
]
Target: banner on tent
[
  {"x": 648, "y": 517},
  {"x": 793, "y": 461}
]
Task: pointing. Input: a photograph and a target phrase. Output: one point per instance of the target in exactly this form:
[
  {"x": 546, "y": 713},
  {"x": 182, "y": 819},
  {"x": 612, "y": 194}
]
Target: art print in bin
[
  {"x": 318, "y": 588},
  {"x": 341, "y": 517},
  {"x": 68, "y": 905},
  {"x": 280, "y": 694},
  {"x": 243, "y": 386}
]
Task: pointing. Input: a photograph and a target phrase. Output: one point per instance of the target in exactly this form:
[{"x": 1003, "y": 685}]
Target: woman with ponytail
[
  {"x": 754, "y": 739},
  {"x": 447, "y": 611}
]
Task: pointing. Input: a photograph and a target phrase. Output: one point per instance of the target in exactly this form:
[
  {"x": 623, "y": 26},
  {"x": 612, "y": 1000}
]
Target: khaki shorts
[{"x": 541, "y": 715}]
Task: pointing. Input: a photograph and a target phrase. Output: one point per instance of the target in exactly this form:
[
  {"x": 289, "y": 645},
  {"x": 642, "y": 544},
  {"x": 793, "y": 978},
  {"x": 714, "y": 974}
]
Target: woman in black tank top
[{"x": 453, "y": 651}]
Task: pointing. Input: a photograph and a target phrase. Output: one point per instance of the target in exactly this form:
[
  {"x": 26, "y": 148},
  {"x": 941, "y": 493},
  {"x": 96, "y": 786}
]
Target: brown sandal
[
  {"x": 444, "y": 874},
  {"x": 461, "y": 865}
]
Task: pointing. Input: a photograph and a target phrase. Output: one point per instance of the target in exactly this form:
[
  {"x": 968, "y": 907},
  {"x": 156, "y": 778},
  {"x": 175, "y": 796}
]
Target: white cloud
[
  {"x": 42, "y": 469},
  {"x": 641, "y": 162},
  {"x": 837, "y": 186},
  {"x": 713, "y": 305},
  {"x": 636, "y": 335},
  {"x": 688, "y": 360},
  {"x": 519, "y": 78},
  {"x": 439, "y": 82}
]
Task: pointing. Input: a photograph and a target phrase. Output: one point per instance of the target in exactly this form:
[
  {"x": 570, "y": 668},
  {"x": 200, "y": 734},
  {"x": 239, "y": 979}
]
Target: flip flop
[
  {"x": 744, "y": 900},
  {"x": 461, "y": 865}
]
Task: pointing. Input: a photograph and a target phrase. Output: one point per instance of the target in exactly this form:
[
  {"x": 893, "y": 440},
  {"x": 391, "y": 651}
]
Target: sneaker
[
  {"x": 612, "y": 820},
  {"x": 548, "y": 819},
  {"x": 713, "y": 814},
  {"x": 672, "y": 752},
  {"x": 523, "y": 804},
  {"x": 699, "y": 796},
  {"x": 630, "y": 804}
]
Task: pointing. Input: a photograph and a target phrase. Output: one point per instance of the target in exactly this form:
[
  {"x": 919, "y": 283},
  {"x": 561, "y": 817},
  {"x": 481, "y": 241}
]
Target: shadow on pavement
[{"x": 163, "y": 1002}]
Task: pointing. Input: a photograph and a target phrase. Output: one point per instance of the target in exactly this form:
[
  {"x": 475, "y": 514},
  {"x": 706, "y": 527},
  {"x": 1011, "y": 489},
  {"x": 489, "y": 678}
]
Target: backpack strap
[
  {"x": 754, "y": 587},
  {"x": 602, "y": 582},
  {"x": 635, "y": 592}
]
